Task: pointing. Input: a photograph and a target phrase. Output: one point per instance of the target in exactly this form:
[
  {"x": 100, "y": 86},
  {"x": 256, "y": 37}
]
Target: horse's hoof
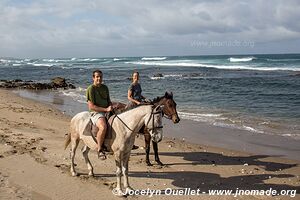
[
  {"x": 159, "y": 163},
  {"x": 91, "y": 174},
  {"x": 118, "y": 192},
  {"x": 74, "y": 174},
  {"x": 149, "y": 163}
]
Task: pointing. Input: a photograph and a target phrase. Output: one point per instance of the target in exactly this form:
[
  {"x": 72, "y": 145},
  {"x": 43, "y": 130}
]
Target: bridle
[
  {"x": 152, "y": 116},
  {"x": 168, "y": 116}
]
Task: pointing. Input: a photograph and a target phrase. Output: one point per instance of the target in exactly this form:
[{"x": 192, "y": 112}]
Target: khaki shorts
[{"x": 95, "y": 116}]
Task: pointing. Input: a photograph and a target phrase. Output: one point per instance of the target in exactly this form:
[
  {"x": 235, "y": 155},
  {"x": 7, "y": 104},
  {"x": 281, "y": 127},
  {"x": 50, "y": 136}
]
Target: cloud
[{"x": 44, "y": 26}]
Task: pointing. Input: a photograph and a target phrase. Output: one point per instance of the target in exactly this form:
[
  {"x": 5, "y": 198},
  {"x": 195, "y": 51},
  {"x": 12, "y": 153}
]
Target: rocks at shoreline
[
  {"x": 55, "y": 83},
  {"x": 158, "y": 75}
]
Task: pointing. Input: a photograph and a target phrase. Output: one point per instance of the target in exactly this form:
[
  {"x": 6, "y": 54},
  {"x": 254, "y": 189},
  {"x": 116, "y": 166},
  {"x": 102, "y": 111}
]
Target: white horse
[{"x": 124, "y": 128}]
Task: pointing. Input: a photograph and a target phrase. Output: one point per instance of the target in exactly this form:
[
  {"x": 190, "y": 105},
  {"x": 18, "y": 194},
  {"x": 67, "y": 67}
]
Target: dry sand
[{"x": 34, "y": 165}]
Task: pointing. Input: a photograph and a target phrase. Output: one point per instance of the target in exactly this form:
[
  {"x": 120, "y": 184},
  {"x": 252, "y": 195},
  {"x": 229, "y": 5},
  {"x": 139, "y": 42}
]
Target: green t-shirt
[{"x": 98, "y": 95}]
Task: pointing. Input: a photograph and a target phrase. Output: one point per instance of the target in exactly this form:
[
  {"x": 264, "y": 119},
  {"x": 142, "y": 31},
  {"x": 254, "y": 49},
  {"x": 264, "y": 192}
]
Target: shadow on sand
[{"x": 212, "y": 181}]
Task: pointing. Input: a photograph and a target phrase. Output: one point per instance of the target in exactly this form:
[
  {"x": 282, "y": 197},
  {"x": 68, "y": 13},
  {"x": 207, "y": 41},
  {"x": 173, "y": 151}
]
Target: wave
[
  {"x": 184, "y": 64},
  {"x": 294, "y": 136},
  {"x": 157, "y": 77},
  {"x": 88, "y": 59},
  {"x": 154, "y": 58},
  {"x": 245, "y": 59},
  {"x": 41, "y": 64},
  {"x": 200, "y": 117},
  {"x": 75, "y": 95},
  {"x": 229, "y": 67},
  {"x": 234, "y": 126},
  {"x": 165, "y": 76},
  {"x": 6, "y": 61},
  {"x": 283, "y": 59},
  {"x": 51, "y": 60}
]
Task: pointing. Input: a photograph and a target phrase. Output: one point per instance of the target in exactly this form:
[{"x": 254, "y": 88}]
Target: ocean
[{"x": 258, "y": 93}]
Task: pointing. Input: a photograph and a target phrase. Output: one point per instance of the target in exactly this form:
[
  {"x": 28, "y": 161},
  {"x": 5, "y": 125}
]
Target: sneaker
[{"x": 101, "y": 155}]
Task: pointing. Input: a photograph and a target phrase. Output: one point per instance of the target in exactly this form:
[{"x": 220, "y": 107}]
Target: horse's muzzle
[{"x": 175, "y": 119}]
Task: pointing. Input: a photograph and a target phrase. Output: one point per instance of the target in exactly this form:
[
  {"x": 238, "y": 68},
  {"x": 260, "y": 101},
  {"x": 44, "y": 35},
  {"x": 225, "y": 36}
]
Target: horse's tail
[{"x": 68, "y": 140}]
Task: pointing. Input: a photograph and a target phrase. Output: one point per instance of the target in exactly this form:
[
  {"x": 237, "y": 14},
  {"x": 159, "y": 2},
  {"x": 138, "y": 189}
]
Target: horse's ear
[{"x": 168, "y": 94}]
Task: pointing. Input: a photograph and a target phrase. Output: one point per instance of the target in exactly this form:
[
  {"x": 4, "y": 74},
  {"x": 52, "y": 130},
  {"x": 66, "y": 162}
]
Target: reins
[{"x": 151, "y": 116}]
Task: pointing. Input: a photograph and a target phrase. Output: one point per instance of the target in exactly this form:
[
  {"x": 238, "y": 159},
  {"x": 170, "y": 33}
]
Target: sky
[{"x": 119, "y": 28}]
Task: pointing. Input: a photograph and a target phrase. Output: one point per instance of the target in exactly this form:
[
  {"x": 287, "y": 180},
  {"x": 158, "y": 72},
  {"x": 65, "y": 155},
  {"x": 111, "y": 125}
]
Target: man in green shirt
[{"x": 99, "y": 103}]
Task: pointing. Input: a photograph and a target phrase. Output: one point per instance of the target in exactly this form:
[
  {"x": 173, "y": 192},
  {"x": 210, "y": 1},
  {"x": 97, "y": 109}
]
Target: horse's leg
[
  {"x": 85, "y": 152},
  {"x": 74, "y": 144},
  {"x": 118, "y": 190},
  {"x": 147, "y": 146},
  {"x": 125, "y": 172},
  {"x": 155, "y": 148}
]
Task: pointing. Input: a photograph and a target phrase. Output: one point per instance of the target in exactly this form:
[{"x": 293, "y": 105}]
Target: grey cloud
[{"x": 153, "y": 24}]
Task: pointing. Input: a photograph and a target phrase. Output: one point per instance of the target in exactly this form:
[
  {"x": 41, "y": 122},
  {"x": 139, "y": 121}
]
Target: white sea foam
[
  {"x": 248, "y": 128},
  {"x": 48, "y": 60},
  {"x": 229, "y": 67},
  {"x": 165, "y": 76},
  {"x": 75, "y": 95},
  {"x": 295, "y": 136},
  {"x": 200, "y": 117},
  {"x": 41, "y": 64},
  {"x": 173, "y": 75},
  {"x": 156, "y": 78},
  {"x": 5, "y": 61},
  {"x": 283, "y": 59},
  {"x": 216, "y": 120},
  {"x": 245, "y": 59},
  {"x": 154, "y": 58}
]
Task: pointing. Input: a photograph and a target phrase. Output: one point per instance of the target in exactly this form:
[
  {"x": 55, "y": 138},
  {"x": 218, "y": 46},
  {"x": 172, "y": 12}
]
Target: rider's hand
[
  {"x": 109, "y": 108},
  {"x": 147, "y": 101}
]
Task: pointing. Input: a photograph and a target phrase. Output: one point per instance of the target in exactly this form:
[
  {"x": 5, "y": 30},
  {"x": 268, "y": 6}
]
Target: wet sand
[
  {"x": 235, "y": 139},
  {"x": 34, "y": 165}
]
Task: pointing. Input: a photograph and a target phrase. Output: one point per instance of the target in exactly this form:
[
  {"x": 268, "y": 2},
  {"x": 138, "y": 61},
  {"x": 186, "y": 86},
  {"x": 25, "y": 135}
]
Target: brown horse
[{"x": 170, "y": 112}]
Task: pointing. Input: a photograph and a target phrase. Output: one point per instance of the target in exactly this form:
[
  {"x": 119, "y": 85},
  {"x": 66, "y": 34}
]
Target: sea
[{"x": 258, "y": 93}]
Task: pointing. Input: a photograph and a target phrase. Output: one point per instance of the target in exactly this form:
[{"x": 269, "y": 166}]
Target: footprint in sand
[
  {"x": 9, "y": 153},
  {"x": 63, "y": 167}
]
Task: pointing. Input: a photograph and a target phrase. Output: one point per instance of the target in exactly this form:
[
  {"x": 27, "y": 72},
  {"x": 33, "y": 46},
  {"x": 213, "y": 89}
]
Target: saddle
[{"x": 109, "y": 121}]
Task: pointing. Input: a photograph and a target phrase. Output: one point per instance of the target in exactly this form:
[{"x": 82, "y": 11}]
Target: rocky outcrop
[
  {"x": 55, "y": 83},
  {"x": 158, "y": 75}
]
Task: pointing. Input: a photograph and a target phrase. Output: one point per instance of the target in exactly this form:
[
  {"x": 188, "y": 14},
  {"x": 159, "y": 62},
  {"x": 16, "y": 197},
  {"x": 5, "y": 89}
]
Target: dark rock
[
  {"x": 58, "y": 81},
  {"x": 55, "y": 83},
  {"x": 297, "y": 74},
  {"x": 158, "y": 75}
]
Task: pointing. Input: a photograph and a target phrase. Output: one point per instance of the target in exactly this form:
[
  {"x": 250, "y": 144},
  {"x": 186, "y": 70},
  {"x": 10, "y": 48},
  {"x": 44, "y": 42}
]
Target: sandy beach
[{"x": 34, "y": 164}]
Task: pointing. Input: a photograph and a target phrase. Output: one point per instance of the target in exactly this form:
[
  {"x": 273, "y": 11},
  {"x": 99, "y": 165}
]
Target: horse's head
[
  {"x": 154, "y": 123},
  {"x": 169, "y": 107}
]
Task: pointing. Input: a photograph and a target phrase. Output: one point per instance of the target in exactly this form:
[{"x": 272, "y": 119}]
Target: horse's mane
[
  {"x": 167, "y": 95},
  {"x": 157, "y": 99},
  {"x": 129, "y": 109}
]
